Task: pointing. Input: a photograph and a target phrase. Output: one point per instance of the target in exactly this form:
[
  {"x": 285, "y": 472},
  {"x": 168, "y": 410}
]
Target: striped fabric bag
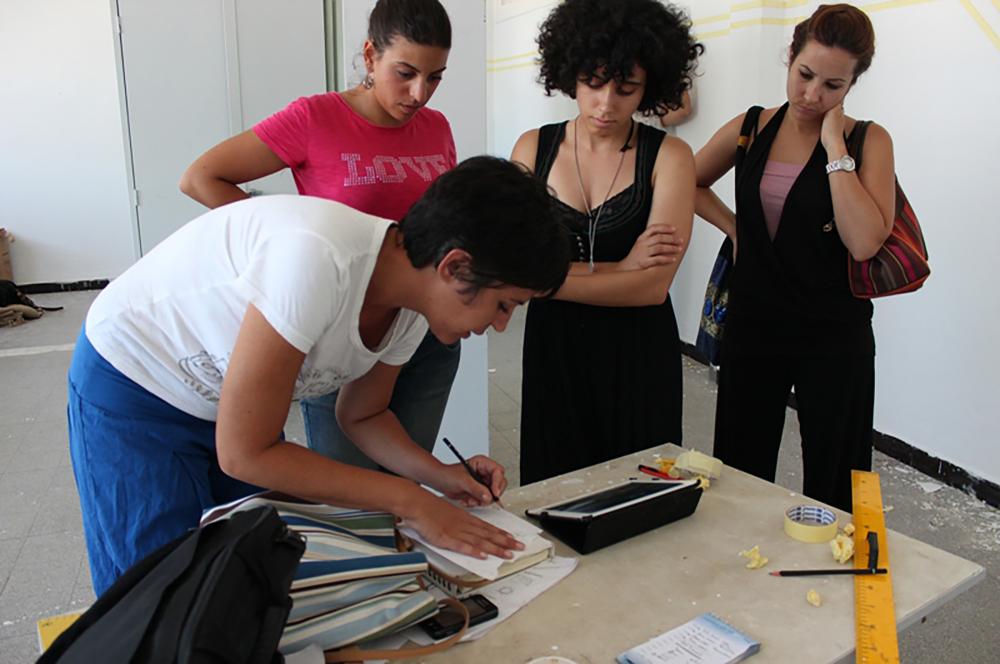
[
  {"x": 352, "y": 585},
  {"x": 900, "y": 266}
]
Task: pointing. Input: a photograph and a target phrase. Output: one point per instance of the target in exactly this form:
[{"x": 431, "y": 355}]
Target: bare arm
[
  {"x": 673, "y": 118},
  {"x": 212, "y": 178},
  {"x": 713, "y": 161},
  {"x": 863, "y": 202},
  {"x": 673, "y": 205},
  {"x": 256, "y": 394}
]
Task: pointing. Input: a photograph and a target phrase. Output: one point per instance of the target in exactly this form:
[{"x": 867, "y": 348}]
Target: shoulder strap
[
  {"x": 358, "y": 654},
  {"x": 856, "y": 141},
  {"x": 549, "y": 137},
  {"x": 747, "y": 131}
]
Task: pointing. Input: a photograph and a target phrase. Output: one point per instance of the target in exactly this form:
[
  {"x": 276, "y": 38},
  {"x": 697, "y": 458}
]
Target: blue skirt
[{"x": 144, "y": 469}]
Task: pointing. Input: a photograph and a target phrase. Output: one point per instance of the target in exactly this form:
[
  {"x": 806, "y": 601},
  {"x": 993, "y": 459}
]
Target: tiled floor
[{"x": 43, "y": 567}]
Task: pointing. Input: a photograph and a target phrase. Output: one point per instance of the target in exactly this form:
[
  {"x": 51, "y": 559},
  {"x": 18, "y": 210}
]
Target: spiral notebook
[{"x": 703, "y": 640}]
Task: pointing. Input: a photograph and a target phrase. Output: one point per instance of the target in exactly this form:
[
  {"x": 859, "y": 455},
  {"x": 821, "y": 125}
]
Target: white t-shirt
[{"x": 170, "y": 321}]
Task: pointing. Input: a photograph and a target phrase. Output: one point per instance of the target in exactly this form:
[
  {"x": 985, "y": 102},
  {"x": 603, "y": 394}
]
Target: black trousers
[{"x": 835, "y": 397}]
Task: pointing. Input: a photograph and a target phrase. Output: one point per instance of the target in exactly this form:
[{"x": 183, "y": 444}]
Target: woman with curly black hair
[{"x": 601, "y": 364}]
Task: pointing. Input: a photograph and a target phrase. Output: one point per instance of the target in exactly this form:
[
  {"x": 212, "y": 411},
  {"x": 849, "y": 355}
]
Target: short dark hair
[
  {"x": 581, "y": 37},
  {"x": 419, "y": 21},
  {"x": 502, "y": 215},
  {"x": 840, "y": 26}
]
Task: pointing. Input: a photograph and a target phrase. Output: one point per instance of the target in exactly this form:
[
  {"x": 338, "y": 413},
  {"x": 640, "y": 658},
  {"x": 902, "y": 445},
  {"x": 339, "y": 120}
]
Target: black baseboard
[
  {"x": 54, "y": 287},
  {"x": 939, "y": 469}
]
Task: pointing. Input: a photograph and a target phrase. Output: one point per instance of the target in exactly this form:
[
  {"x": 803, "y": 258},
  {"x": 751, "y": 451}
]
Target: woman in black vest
[{"x": 801, "y": 207}]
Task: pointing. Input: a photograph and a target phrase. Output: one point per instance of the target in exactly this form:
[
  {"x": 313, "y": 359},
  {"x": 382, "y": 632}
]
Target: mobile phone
[{"x": 450, "y": 620}]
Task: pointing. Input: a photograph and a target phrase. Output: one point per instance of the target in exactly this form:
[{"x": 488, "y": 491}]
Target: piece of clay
[
  {"x": 754, "y": 559},
  {"x": 842, "y": 548},
  {"x": 693, "y": 463}
]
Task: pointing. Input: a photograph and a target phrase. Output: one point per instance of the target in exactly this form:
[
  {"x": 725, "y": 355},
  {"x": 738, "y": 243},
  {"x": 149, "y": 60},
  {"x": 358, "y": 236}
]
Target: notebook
[
  {"x": 703, "y": 640},
  {"x": 457, "y": 573}
]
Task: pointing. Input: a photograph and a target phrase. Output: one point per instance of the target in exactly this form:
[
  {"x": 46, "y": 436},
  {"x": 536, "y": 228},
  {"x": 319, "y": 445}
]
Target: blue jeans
[
  {"x": 418, "y": 401},
  {"x": 144, "y": 470}
]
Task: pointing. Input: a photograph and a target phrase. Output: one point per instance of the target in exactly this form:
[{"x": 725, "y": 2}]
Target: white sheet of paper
[
  {"x": 509, "y": 594},
  {"x": 488, "y": 568}
]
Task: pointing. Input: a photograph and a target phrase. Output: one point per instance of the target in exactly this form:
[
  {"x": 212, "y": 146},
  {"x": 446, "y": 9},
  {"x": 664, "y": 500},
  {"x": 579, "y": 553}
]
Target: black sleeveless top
[
  {"x": 599, "y": 382},
  {"x": 790, "y": 295},
  {"x": 625, "y": 214}
]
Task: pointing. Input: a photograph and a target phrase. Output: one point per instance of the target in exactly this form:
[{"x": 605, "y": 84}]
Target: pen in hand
[{"x": 471, "y": 472}]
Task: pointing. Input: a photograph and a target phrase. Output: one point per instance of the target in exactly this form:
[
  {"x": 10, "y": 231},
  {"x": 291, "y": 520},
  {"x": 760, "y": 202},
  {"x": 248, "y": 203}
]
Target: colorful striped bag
[
  {"x": 900, "y": 266},
  {"x": 352, "y": 586}
]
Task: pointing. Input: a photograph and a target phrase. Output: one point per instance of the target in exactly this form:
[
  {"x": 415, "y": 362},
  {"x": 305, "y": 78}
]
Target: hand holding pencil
[{"x": 476, "y": 481}]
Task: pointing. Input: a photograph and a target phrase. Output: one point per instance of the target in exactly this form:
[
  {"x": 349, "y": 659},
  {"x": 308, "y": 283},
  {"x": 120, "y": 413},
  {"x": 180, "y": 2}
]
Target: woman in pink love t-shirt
[{"x": 376, "y": 148}]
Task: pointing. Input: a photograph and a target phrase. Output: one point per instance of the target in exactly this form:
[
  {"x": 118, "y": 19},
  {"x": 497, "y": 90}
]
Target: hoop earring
[{"x": 368, "y": 82}]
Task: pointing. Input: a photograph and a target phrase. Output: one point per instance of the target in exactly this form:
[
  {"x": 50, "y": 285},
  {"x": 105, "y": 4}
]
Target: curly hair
[{"x": 581, "y": 37}]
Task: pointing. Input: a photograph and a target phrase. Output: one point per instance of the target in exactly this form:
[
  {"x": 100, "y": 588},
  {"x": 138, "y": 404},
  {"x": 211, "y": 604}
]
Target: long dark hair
[
  {"x": 419, "y": 21},
  {"x": 841, "y": 26}
]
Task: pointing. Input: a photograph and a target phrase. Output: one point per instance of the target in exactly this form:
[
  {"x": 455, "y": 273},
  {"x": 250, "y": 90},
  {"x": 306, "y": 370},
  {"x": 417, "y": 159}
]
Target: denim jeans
[
  {"x": 418, "y": 401},
  {"x": 144, "y": 470}
]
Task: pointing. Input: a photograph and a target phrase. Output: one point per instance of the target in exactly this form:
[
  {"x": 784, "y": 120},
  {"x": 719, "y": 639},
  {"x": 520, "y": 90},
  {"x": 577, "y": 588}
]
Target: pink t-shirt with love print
[{"x": 337, "y": 154}]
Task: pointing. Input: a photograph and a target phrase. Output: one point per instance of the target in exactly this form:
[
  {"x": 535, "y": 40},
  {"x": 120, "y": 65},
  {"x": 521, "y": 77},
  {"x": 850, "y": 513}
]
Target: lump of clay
[
  {"x": 754, "y": 559},
  {"x": 842, "y": 548}
]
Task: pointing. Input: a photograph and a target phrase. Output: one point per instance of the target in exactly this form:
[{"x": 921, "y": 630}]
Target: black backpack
[
  {"x": 11, "y": 294},
  {"x": 216, "y": 594}
]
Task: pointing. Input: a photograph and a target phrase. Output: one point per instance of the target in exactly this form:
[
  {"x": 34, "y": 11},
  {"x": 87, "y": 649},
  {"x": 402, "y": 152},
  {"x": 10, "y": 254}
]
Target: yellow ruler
[{"x": 874, "y": 611}]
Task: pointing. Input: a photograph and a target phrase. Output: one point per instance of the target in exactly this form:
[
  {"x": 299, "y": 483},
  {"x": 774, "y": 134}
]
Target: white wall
[
  {"x": 62, "y": 175},
  {"x": 937, "y": 365}
]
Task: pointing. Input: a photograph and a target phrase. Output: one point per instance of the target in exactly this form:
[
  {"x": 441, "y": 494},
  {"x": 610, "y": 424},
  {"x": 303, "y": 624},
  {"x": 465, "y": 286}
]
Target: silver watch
[{"x": 845, "y": 163}]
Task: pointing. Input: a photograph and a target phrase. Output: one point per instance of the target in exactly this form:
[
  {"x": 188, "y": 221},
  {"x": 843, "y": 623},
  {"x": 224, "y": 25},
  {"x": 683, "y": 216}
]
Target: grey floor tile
[
  {"x": 20, "y": 649},
  {"x": 10, "y": 549},
  {"x": 26, "y": 482},
  {"x": 62, "y": 476},
  {"x": 500, "y": 401},
  {"x": 57, "y": 519},
  {"x": 16, "y": 524}
]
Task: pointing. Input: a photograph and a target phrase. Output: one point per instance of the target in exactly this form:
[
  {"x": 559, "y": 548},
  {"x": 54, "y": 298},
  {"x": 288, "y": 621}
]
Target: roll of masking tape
[{"x": 810, "y": 523}]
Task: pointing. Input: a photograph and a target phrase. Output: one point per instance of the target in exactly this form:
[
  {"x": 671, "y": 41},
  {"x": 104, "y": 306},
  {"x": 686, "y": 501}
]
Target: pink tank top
[{"x": 775, "y": 184}]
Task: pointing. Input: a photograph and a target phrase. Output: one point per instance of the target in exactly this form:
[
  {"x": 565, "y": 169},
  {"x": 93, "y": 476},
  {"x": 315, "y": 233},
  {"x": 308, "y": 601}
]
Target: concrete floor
[{"x": 43, "y": 566}]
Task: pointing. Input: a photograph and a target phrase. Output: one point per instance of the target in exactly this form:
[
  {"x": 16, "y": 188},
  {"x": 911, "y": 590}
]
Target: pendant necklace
[{"x": 592, "y": 219}]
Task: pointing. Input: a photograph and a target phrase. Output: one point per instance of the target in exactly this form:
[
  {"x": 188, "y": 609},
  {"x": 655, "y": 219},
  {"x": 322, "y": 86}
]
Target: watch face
[{"x": 846, "y": 163}]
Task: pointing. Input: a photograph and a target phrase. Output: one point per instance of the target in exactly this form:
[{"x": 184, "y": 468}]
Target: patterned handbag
[
  {"x": 713, "y": 312},
  {"x": 900, "y": 266},
  {"x": 352, "y": 585}
]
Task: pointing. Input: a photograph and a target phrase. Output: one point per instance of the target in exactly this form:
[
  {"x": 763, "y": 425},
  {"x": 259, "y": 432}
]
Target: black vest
[{"x": 791, "y": 295}]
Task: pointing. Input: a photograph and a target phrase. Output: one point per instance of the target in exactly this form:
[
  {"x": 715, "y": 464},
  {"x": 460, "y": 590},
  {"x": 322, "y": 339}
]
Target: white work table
[{"x": 627, "y": 593}]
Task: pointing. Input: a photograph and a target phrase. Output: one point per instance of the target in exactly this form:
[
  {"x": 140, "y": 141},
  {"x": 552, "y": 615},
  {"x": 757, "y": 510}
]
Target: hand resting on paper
[{"x": 449, "y": 527}]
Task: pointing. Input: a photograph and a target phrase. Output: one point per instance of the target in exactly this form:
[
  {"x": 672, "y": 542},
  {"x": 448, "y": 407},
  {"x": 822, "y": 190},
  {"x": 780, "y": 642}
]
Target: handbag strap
[
  {"x": 357, "y": 654},
  {"x": 856, "y": 142},
  {"x": 748, "y": 131}
]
